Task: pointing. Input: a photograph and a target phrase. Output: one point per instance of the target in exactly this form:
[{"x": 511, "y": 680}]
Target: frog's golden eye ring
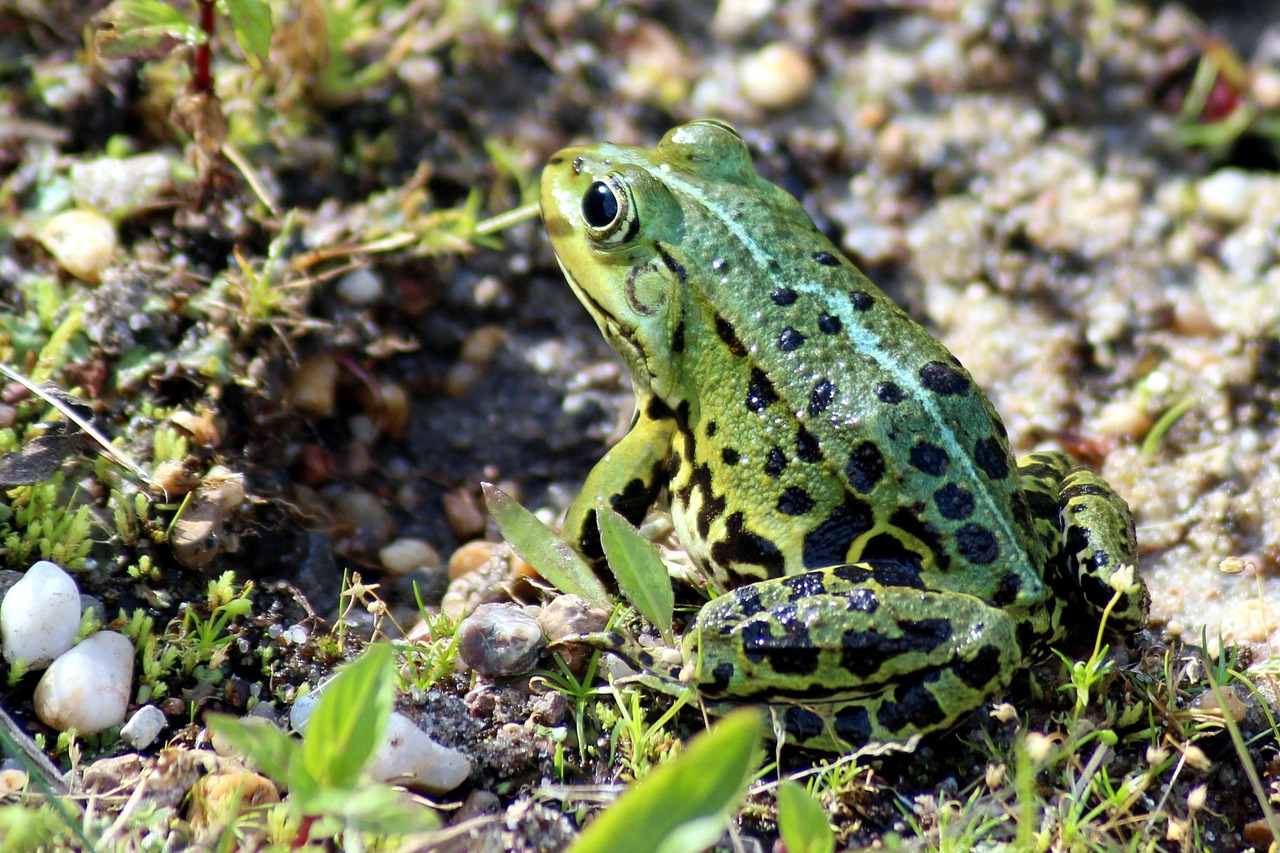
[{"x": 608, "y": 214}]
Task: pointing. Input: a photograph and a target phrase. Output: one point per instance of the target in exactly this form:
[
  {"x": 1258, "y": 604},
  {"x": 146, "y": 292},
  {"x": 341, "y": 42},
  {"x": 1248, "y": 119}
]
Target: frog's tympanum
[{"x": 888, "y": 566}]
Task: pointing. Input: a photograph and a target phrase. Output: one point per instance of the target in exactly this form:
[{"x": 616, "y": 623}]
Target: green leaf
[
  {"x": 135, "y": 28},
  {"x": 251, "y": 21},
  {"x": 350, "y": 719},
  {"x": 802, "y": 821},
  {"x": 642, "y": 576},
  {"x": 378, "y": 808},
  {"x": 269, "y": 749},
  {"x": 669, "y": 809},
  {"x": 550, "y": 555}
]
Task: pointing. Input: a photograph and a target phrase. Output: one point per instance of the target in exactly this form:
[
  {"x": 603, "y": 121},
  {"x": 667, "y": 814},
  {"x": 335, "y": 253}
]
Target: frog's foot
[
  {"x": 663, "y": 664},
  {"x": 1095, "y": 537},
  {"x": 854, "y": 657}
]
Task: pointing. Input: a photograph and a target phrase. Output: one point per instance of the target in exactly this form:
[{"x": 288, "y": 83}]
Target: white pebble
[
  {"x": 300, "y": 713},
  {"x": 405, "y": 556},
  {"x": 82, "y": 242},
  {"x": 408, "y": 756},
  {"x": 118, "y": 186},
  {"x": 39, "y": 616},
  {"x": 1226, "y": 195},
  {"x": 736, "y": 18},
  {"x": 87, "y": 689},
  {"x": 143, "y": 727},
  {"x": 360, "y": 287},
  {"x": 777, "y": 76}
]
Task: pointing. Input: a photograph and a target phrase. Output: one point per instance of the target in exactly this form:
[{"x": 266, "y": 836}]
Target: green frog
[{"x": 885, "y": 565}]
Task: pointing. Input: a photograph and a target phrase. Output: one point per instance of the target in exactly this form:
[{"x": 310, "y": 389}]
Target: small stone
[
  {"x": 396, "y": 409},
  {"x": 482, "y": 344},
  {"x": 1125, "y": 418},
  {"x": 1226, "y": 195},
  {"x": 12, "y": 781},
  {"x": 500, "y": 640},
  {"x": 143, "y": 727},
  {"x": 406, "y": 556},
  {"x": 361, "y": 287},
  {"x": 473, "y": 556},
  {"x": 569, "y": 614},
  {"x": 1207, "y": 703},
  {"x": 81, "y": 241},
  {"x": 408, "y": 756},
  {"x": 39, "y": 616},
  {"x": 1265, "y": 88},
  {"x": 364, "y": 513},
  {"x": 313, "y": 385},
  {"x": 226, "y": 792},
  {"x": 118, "y": 186},
  {"x": 300, "y": 713},
  {"x": 198, "y": 535},
  {"x": 87, "y": 689},
  {"x": 777, "y": 76},
  {"x": 736, "y": 18},
  {"x": 466, "y": 519}
]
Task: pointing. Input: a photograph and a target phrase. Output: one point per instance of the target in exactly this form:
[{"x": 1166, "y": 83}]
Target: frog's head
[{"x": 619, "y": 222}]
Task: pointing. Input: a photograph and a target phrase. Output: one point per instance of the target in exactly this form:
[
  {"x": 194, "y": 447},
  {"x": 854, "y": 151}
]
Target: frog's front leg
[
  {"x": 884, "y": 656},
  {"x": 1088, "y": 529},
  {"x": 629, "y": 477}
]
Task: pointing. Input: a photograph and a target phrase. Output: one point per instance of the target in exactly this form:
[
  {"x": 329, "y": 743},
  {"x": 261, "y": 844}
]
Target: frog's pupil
[{"x": 599, "y": 206}]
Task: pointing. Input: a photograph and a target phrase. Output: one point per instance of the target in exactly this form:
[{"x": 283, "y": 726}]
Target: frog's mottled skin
[{"x": 825, "y": 459}]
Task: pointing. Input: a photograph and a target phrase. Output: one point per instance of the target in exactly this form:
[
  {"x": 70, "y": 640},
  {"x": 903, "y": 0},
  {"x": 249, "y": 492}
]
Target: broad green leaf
[
  {"x": 634, "y": 561},
  {"x": 666, "y": 811},
  {"x": 350, "y": 719},
  {"x": 550, "y": 555},
  {"x": 133, "y": 28},
  {"x": 269, "y": 749},
  {"x": 251, "y": 20},
  {"x": 803, "y": 822}
]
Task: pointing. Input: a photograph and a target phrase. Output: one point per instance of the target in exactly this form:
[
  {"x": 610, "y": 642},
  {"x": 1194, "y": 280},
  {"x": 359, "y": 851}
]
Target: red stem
[{"x": 203, "y": 80}]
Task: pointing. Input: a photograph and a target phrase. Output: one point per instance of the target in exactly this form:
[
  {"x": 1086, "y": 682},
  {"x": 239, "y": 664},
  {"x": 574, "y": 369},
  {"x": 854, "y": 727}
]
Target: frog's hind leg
[
  {"x": 1096, "y": 552},
  {"x": 859, "y": 652},
  {"x": 892, "y": 715}
]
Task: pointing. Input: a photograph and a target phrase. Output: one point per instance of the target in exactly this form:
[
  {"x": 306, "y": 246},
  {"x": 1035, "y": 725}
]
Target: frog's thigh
[
  {"x": 629, "y": 478},
  {"x": 1095, "y": 532},
  {"x": 896, "y": 659},
  {"x": 1099, "y": 540}
]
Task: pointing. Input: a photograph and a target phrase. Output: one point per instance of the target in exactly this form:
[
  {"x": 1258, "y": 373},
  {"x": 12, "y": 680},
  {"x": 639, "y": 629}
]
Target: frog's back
[{"x": 866, "y": 433}]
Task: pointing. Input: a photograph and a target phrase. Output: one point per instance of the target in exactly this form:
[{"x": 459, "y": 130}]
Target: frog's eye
[{"x": 607, "y": 212}]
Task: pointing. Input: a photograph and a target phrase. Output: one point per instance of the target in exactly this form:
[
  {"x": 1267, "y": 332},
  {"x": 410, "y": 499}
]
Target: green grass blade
[
  {"x": 267, "y": 748},
  {"x": 550, "y": 555},
  {"x": 802, "y": 821},
  {"x": 350, "y": 719},
  {"x": 669, "y": 810},
  {"x": 642, "y": 576},
  {"x": 251, "y": 22}
]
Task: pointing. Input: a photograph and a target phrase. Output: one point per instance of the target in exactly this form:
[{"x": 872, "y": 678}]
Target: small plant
[
  {"x": 324, "y": 773},
  {"x": 43, "y": 522},
  {"x": 684, "y": 805},
  {"x": 208, "y": 635},
  {"x": 131, "y": 28},
  {"x": 428, "y": 662},
  {"x": 579, "y": 691},
  {"x": 802, "y": 821},
  {"x": 643, "y": 744}
]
